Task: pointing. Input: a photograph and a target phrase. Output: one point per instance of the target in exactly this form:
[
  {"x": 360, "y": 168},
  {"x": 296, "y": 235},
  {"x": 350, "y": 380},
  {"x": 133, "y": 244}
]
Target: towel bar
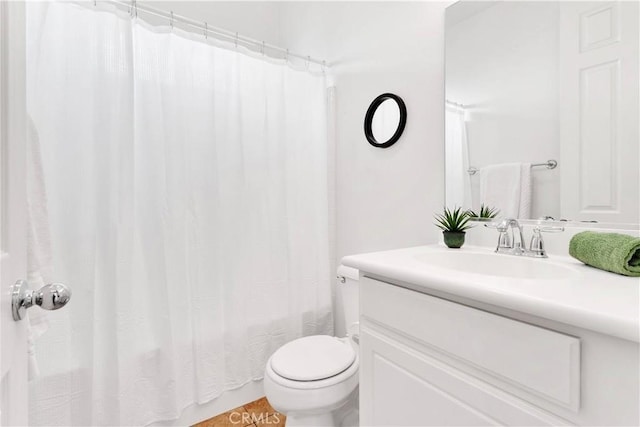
[{"x": 549, "y": 164}]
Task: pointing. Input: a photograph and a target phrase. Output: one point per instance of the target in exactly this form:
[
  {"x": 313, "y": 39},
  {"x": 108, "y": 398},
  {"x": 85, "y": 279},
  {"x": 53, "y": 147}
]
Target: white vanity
[{"x": 470, "y": 337}]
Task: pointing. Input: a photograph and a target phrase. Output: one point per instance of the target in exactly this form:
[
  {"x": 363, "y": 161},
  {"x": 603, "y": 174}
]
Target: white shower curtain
[
  {"x": 458, "y": 182},
  {"x": 187, "y": 188}
]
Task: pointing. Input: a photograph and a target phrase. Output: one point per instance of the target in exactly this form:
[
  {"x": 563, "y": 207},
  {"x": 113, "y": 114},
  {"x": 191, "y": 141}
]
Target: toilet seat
[
  {"x": 344, "y": 378},
  {"x": 313, "y": 358}
]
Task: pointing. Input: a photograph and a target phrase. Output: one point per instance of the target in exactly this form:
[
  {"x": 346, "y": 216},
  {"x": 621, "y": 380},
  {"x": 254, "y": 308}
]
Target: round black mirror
[{"x": 385, "y": 120}]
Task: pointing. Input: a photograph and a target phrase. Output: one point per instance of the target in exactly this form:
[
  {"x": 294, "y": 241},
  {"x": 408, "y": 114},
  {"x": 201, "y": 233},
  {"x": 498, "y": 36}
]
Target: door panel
[
  {"x": 13, "y": 232},
  {"x": 400, "y": 386},
  {"x": 598, "y": 70}
]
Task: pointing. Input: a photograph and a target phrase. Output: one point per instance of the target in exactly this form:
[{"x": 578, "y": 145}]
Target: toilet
[{"x": 313, "y": 380}]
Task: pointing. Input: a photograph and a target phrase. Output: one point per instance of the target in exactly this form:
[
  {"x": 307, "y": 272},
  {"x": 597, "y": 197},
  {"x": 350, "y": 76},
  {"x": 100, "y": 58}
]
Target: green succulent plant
[
  {"x": 455, "y": 220},
  {"x": 484, "y": 212}
]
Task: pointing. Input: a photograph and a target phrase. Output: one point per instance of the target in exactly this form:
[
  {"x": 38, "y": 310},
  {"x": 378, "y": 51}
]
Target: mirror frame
[{"x": 368, "y": 120}]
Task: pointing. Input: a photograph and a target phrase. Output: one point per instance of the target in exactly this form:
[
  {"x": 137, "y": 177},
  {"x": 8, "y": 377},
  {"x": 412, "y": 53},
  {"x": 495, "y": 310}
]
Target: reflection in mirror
[
  {"x": 534, "y": 85},
  {"x": 385, "y": 120}
]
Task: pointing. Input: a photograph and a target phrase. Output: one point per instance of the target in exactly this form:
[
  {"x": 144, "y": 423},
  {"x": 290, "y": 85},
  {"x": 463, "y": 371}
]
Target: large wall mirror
[{"x": 542, "y": 109}]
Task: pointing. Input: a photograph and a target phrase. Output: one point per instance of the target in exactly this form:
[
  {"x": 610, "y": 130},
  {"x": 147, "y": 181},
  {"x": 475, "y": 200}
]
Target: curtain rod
[
  {"x": 456, "y": 104},
  {"x": 134, "y": 7}
]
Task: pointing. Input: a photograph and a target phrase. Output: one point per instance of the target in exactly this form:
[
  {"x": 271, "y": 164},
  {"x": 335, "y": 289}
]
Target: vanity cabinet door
[
  {"x": 538, "y": 365},
  {"x": 400, "y": 386}
]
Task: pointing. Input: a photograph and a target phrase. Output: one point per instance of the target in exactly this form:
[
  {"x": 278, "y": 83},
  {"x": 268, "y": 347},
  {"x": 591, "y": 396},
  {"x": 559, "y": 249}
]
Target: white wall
[
  {"x": 385, "y": 197},
  {"x": 503, "y": 62}
]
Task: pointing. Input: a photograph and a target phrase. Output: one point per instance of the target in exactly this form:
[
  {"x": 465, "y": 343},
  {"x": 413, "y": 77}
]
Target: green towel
[{"x": 618, "y": 253}]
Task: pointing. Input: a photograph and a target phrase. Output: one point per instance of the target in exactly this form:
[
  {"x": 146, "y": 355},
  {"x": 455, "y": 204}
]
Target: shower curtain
[
  {"x": 458, "y": 181},
  {"x": 186, "y": 183}
]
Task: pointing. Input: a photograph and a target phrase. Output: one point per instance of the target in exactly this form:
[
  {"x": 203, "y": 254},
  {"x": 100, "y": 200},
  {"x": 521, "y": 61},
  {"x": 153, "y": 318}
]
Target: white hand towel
[
  {"x": 525, "y": 191},
  {"x": 39, "y": 262},
  {"x": 507, "y": 186}
]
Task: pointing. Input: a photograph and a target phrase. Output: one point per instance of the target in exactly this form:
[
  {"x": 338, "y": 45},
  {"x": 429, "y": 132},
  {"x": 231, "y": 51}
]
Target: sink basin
[{"x": 490, "y": 264}]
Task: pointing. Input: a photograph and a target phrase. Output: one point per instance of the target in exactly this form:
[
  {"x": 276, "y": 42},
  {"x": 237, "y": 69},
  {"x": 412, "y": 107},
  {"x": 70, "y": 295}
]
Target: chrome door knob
[{"x": 50, "y": 297}]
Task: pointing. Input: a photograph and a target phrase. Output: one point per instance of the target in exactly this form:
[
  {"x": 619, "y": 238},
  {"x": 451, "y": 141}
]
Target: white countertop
[{"x": 590, "y": 298}]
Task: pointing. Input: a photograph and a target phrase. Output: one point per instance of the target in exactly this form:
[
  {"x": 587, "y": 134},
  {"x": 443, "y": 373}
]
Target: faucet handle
[
  {"x": 537, "y": 242},
  {"x": 504, "y": 241}
]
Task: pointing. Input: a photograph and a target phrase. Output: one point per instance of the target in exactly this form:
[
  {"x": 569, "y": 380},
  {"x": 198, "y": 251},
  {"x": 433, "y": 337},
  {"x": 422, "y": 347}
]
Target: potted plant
[
  {"x": 453, "y": 224},
  {"x": 484, "y": 214}
]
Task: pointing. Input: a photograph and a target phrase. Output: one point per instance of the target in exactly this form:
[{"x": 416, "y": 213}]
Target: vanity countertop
[{"x": 587, "y": 298}]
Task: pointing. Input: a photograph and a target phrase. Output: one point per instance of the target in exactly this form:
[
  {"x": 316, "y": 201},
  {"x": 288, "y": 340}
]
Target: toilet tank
[{"x": 347, "y": 300}]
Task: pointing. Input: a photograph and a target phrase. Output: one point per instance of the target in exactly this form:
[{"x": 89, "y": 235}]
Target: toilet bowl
[{"x": 313, "y": 380}]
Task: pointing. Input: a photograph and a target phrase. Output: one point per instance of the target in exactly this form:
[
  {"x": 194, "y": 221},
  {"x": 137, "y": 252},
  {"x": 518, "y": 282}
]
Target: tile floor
[{"x": 253, "y": 414}]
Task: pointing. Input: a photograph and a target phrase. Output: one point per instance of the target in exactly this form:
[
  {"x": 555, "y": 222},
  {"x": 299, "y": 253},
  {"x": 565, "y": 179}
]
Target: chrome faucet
[{"x": 513, "y": 243}]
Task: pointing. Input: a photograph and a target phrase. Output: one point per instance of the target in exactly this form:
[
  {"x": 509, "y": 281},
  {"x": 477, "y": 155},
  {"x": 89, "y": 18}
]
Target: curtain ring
[
  {"x": 235, "y": 40},
  {"x": 206, "y": 30},
  {"x": 308, "y": 62},
  {"x": 324, "y": 66},
  {"x": 286, "y": 57},
  {"x": 171, "y": 20},
  {"x": 262, "y": 48}
]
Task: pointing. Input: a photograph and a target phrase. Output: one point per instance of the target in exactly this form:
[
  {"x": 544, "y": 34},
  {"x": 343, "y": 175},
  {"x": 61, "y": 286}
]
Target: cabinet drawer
[
  {"x": 400, "y": 386},
  {"x": 538, "y": 361}
]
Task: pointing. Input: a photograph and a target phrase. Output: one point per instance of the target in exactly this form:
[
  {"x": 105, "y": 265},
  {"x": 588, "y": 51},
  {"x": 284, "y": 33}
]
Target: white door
[
  {"x": 598, "y": 69},
  {"x": 13, "y": 232}
]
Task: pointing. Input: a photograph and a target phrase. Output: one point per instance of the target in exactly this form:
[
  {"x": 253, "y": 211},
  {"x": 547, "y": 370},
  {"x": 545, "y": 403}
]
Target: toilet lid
[{"x": 312, "y": 358}]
